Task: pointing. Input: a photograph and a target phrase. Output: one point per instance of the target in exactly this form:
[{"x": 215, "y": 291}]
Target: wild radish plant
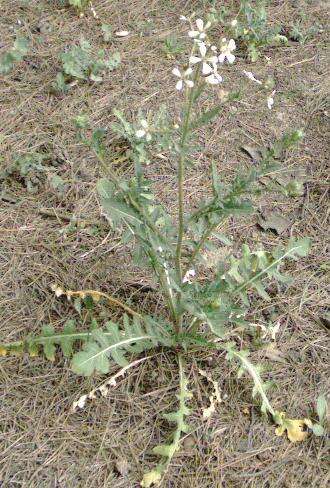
[
  {"x": 80, "y": 63},
  {"x": 210, "y": 313}
]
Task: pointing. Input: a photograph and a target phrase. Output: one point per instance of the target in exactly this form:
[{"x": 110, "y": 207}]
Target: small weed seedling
[
  {"x": 80, "y": 63},
  {"x": 250, "y": 27},
  {"x": 14, "y": 55},
  {"x": 30, "y": 170},
  {"x": 80, "y": 5},
  {"x": 172, "y": 47},
  {"x": 207, "y": 313}
]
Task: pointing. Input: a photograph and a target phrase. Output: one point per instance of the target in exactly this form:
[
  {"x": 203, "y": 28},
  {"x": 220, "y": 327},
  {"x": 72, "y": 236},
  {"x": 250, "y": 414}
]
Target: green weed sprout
[
  {"x": 14, "y": 55},
  {"x": 80, "y": 63},
  {"x": 250, "y": 27},
  {"x": 198, "y": 313}
]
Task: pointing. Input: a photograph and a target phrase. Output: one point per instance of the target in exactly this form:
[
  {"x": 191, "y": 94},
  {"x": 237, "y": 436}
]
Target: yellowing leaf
[
  {"x": 295, "y": 428},
  {"x": 151, "y": 478},
  {"x": 3, "y": 351}
]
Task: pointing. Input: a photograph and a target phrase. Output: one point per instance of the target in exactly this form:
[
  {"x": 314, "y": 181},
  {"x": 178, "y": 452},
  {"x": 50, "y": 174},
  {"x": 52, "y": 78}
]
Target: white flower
[
  {"x": 200, "y": 33},
  {"x": 183, "y": 18},
  {"x": 206, "y": 61},
  {"x": 226, "y": 51},
  {"x": 233, "y": 23},
  {"x": 213, "y": 78},
  {"x": 251, "y": 77},
  {"x": 122, "y": 33},
  {"x": 144, "y": 131},
  {"x": 183, "y": 78},
  {"x": 189, "y": 274},
  {"x": 270, "y": 100}
]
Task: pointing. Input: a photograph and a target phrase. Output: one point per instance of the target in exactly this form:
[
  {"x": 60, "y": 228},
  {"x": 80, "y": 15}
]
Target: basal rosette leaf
[{"x": 114, "y": 343}]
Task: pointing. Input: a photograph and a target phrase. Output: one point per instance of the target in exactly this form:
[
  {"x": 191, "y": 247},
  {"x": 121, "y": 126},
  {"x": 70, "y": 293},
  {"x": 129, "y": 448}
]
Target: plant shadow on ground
[{"x": 43, "y": 443}]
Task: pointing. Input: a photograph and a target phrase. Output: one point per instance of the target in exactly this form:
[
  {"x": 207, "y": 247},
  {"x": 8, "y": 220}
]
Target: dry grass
[{"x": 42, "y": 443}]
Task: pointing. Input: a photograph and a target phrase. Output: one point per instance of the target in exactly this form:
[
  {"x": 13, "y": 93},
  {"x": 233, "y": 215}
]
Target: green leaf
[
  {"x": 321, "y": 407},
  {"x": 57, "y": 183},
  {"x": 206, "y": 117},
  {"x": 105, "y": 188},
  {"x": 116, "y": 210},
  {"x": 50, "y": 339},
  {"x": 15, "y": 54},
  {"x": 107, "y": 32},
  {"x": 318, "y": 430},
  {"x": 246, "y": 365},
  {"x": 77, "y": 304},
  {"x": 152, "y": 478},
  {"x": 114, "y": 343},
  {"x": 275, "y": 222},
  {"x": 114, "y": 61},
  {"x": 222, "y": 238},
  {"x": 60, "y": 82},
  {"x": 299, "y": 247},
  {"x": 90, "y": 359},
  {"x": 48, "y": 343}
]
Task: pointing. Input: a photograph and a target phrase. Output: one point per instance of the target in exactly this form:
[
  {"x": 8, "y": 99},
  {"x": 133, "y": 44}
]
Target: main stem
[
  {"x": 181, "y": 177},
  {"x": 181, "y": 174}
]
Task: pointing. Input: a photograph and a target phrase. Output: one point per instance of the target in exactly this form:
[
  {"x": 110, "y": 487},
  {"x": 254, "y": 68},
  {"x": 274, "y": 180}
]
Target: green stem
[{"x": 181, "y": 176}]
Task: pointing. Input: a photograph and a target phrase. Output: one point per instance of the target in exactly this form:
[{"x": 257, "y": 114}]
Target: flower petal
[
  {"x": 214, "y": 79},
  {"x": 179, "y": 85},
  {"x": 206, "y": 69},
  {"x": 193, "y": 33},
  {"x": 231, "y": 58},
  {"x": 194, "y": 59},
  {"x": 189, "y": 83},
  {"x": 122, "y": 33},
  {"x": 188, "y": 72},
  {"x": 140, "y": 133},
  {"x": 270, "y": 102},
  {"x": 176, "y": 72},
  {"x": 202, "y": 49},
  {"x": 200, "y": 25},
  {"x": 251, "y": 77},
  {"x": 213, "y": 60},
  {"x": 222, "y": 57},
  {"x": 231, "y": 45}
]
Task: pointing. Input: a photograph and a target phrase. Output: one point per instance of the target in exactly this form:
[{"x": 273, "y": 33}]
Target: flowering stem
[
  {"x": 181, "y": 174},
  {"x": 181, "y": 171}
]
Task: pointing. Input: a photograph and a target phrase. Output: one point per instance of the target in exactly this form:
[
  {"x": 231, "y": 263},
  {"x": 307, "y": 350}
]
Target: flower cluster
[{"x": 207, "y": 56}]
